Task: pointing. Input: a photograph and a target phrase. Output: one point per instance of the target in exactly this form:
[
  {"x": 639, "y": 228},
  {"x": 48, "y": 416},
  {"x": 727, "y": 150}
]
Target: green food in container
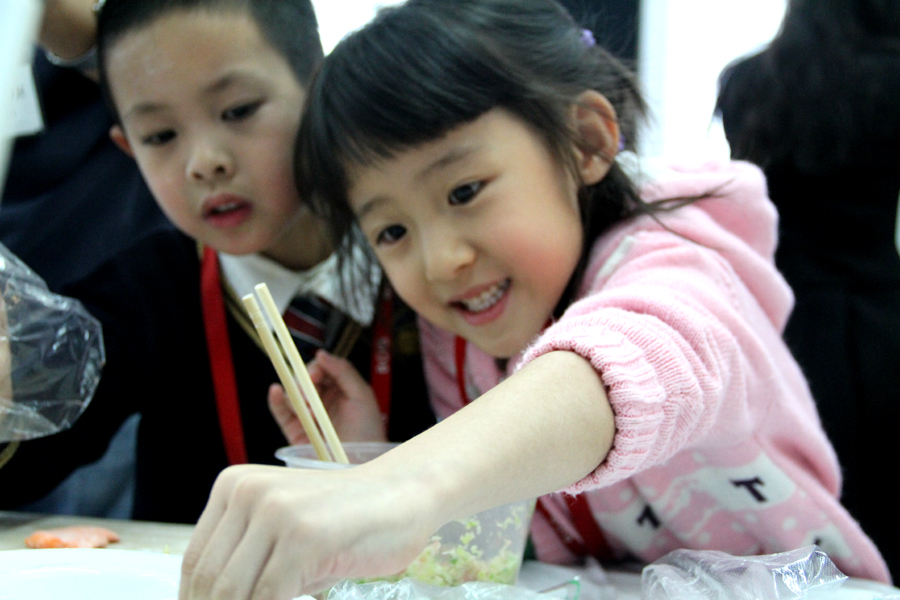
[{"x": 488, "y": 546}]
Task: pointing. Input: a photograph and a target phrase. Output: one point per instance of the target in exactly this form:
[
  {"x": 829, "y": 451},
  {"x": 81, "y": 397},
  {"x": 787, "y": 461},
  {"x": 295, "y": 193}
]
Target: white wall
[
  {"x": 18, "y": 27},
  {"x": 339, "y": 17},
  {"x": 684, "y": 45}
]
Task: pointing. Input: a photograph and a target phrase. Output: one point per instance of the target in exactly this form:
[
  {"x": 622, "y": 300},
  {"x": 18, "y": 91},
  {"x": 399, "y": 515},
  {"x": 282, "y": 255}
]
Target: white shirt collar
[{"x": 244, "y": 272}]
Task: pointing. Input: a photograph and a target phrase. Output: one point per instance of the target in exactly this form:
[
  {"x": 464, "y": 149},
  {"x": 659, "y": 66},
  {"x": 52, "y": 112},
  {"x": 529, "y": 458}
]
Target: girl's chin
[{"x": 497, "y": 348}]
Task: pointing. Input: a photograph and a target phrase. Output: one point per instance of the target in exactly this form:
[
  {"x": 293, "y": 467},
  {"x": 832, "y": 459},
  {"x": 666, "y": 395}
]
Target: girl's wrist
[{"x": 420, "y": 488}]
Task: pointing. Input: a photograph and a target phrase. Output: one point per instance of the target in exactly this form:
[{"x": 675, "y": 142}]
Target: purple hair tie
[{"x": 587, "y": 38}]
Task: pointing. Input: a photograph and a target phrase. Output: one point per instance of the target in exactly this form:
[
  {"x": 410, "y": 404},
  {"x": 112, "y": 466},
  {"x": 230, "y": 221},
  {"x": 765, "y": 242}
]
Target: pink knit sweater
[{"x": 718, "y": 444}]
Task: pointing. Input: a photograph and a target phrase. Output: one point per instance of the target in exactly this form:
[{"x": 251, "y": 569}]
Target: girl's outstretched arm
[{"x": 276, "y": 533}]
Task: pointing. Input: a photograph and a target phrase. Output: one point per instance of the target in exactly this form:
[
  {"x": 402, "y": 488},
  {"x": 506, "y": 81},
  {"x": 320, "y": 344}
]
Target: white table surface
[{"x": 169, "y": 538}]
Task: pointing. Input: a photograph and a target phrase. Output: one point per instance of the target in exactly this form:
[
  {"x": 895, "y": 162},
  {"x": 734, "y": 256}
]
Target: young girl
[{"x": 624, "y": 351}]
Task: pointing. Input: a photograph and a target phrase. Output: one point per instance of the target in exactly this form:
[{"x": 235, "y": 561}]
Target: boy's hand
[{"x": 347, "y": 397}]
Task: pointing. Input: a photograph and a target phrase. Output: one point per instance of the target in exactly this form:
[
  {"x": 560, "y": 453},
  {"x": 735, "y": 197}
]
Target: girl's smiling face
[
  {"x": 479, "y": 231},
  {"x": 210, "y": 110}
]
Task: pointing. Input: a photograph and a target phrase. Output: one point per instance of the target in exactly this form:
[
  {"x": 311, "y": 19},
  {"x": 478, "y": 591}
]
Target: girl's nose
[
  {"x": 445, "y": 256},
  {"x": 209, "y": 163}
]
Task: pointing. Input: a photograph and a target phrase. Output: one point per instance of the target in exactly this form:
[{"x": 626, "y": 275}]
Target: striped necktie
[{"x": 307, "y": 318}]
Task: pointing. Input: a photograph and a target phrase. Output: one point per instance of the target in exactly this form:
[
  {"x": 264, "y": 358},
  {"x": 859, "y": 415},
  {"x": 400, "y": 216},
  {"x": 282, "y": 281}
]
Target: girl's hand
[
  {"x": 275, "y": 533},
  {"x": 349, "y": 400}
]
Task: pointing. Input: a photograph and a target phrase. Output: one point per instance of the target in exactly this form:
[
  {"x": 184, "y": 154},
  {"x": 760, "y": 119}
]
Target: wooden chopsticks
[{"x": 295, "y": 379}]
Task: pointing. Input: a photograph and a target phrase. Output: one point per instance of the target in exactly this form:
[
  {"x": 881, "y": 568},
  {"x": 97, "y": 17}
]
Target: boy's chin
[
  {"x": 238, "y": 246},
  {"x": 235, "y": 250}
]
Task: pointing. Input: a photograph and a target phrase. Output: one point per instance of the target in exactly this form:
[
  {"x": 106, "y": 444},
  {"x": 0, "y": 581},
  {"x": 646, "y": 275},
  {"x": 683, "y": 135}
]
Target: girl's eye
[
  {"x": 241, "y": 112},
  {"x": 159, "y": 138},
  {"x": 465, "y": 193},
  {"x": 390, "y": 234}
]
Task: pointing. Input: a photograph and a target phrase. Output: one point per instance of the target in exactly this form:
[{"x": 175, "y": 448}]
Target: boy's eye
[
  {"x": 390, "y": 234},
  {"x": 465, "y": 193},
  {"x": 241, "y": 112},
  {"x": 159, "y": 138}
]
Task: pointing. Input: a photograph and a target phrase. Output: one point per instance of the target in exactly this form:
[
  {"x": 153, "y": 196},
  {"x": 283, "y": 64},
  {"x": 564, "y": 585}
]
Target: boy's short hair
[{"x": 290, "y": 26}]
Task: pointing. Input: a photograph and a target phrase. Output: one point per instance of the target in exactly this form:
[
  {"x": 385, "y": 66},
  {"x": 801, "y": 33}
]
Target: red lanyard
[
  {"x": 220, "y": 361},
  {"x": 592, "y": 542},
  {"x": 221, "y": 364},
  {"x": 382, "y": 340}
]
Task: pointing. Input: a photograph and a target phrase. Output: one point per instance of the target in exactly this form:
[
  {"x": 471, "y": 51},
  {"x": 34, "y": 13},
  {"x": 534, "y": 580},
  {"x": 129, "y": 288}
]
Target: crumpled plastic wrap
[
  {"x": 710, "y": 575},
  {"x": 411, "y": 589},
  {"x": 51, "y": 355}
]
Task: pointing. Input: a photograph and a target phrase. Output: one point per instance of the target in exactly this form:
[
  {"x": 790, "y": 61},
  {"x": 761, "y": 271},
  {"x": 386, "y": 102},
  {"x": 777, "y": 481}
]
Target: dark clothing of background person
[
  {"x": 148, "y": 301},
  {"x": 819, "y": 110},
  {"x": 71, "y": 201}
]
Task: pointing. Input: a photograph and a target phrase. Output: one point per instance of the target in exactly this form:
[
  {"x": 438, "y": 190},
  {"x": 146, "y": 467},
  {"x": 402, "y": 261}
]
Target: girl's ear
[
  {"x": 118, "y": 137},
  {"x": 597, "y": 131}
]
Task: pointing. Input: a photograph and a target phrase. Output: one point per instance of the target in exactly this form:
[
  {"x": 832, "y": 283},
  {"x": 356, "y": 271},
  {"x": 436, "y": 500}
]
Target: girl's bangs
[{"x": 381, "y": 96}]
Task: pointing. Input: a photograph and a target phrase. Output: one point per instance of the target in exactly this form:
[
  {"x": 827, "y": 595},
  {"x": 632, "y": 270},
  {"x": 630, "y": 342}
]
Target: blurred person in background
[
  {"x": 819, "y": 111},
  {"x": 71, "y": 201}
]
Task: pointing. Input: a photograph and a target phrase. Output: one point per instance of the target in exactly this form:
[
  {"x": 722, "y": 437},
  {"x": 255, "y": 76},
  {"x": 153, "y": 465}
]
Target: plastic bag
[
  {"x": 51, "y": 355},
  {"x": 411, "y": 589},
  {"x": 710, "y": 575}
]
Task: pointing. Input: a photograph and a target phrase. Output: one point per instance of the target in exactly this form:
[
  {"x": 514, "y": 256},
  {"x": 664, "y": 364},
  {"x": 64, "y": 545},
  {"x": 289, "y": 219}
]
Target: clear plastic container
[{"x": 488, "y": 546}]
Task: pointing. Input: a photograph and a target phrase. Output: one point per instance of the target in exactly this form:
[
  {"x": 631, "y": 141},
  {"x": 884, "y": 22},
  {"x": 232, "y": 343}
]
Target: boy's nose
[
  {"x": 445, "y": 256},
  {"x": 209, "y": 164}
]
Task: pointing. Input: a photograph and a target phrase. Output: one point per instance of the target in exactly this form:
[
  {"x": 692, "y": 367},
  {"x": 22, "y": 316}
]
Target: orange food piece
[{"x": 78, "y": 536}]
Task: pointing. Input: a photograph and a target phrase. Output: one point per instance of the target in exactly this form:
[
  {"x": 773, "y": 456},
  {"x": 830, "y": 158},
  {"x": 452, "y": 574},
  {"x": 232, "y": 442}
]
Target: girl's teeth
[{"x": 487, "y": 298}]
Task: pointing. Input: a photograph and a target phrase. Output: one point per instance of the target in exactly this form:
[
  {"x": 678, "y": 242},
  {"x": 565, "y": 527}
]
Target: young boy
[{"x": 207, "y": 95}]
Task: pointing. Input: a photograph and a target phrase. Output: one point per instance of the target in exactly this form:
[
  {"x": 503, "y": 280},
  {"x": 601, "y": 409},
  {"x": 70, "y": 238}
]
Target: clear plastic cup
[{"x": 488, "y": 546}]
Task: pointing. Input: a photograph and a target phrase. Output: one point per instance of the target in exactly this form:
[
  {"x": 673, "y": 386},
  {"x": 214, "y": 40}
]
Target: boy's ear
[
  {"x": 597, "y": 130},
  {"x": 118, "y": 137}
]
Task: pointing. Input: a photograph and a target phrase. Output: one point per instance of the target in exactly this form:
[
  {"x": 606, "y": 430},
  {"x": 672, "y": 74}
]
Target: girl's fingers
[
  {"x": 195, "y": 574},
  {"x": 235, "y": 553},
  {"x": 271, "y": 533},
  {"x": 242, "y": 575},
  {"x": 283, "y": 575},
  {"x": 218, "y": 574}
]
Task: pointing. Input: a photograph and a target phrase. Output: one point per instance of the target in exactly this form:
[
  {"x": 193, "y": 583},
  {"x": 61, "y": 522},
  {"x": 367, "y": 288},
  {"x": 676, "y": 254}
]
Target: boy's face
[{"x": 210, "y": 110}]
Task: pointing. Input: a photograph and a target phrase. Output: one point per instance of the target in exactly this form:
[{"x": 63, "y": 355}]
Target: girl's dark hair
[
  {"x": 423, "y": 68},
  {"x": 290, "y": 27},
  {"x": 823, "y": 93}
]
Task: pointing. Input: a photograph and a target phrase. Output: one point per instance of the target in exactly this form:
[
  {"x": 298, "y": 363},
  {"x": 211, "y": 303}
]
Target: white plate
[{"x": 88, "y": 574}]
